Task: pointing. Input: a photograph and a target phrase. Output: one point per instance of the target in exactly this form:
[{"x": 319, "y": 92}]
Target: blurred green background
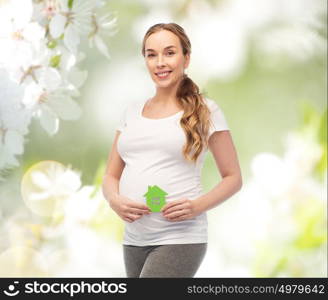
[{"x": 265, "y": 64}]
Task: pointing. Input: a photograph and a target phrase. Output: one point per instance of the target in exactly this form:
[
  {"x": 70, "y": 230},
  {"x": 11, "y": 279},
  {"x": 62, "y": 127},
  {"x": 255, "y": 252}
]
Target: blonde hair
[{"x": 196, "y": 118}]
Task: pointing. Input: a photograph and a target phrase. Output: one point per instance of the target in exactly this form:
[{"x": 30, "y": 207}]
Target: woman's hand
[
  {"x": 127, "y": 209},
  {"x": 182, "y": 209}
]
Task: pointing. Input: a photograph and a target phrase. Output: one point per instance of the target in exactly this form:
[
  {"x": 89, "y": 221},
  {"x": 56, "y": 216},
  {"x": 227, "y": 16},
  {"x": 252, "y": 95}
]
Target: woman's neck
[{"x": 165, "y": 96}]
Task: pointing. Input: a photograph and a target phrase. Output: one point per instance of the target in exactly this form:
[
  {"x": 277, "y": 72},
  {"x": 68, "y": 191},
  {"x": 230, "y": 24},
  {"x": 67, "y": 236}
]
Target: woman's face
[{"x": 164, "y": 58}]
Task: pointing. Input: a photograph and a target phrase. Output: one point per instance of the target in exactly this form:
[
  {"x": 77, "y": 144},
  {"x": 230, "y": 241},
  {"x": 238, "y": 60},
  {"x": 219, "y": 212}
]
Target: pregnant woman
[{"x": 153, "y": 175}]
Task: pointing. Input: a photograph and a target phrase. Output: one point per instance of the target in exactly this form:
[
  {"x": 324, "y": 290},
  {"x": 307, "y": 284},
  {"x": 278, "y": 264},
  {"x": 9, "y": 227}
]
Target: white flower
[
  {"x": 73, "y": 22},
  {"x": 45, "y": 94},
  {"x": 102, "y": 25},
  {"x": 45, "y": 10},
  {"x": 72, "y": 77},
  {"x": 51, "y": 103},
  {"x": 18, "y": 11},
  {"x": 29, "y": 66},
  {"x": 55, "y": 180},
  {"x": 80, "y": 206},
  {"x": 14, "y": 121},
  {"x": 38, "y": 76},
  {"x": 47, "y": 185},
  {"x": 18, "y": 38}
]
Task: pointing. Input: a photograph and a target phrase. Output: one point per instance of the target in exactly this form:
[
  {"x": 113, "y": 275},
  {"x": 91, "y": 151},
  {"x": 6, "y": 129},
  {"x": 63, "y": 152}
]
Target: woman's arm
[
  {"x": 114, "y": 169},
  {"x": 129, "y": 210},
  {"x": 223, "y": 150},
  {"x": 225, "y": 155}
]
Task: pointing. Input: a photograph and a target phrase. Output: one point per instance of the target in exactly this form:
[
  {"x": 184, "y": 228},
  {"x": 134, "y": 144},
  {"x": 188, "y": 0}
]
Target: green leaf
[{"x": 70, "y": 3}]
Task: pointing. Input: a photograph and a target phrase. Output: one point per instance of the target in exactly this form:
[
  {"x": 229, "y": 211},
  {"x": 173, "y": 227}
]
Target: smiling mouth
[{"x": 163, "y": 75}]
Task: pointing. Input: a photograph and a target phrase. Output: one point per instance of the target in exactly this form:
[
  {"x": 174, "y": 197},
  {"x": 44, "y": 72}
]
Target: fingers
[
  {"x": 135, "y": 208},
  {"x": 138, "y": 211},
  {"x": 173, "y": 204},
  {"x": 134, "y": 204},
  {"x": 180, "y": 218},
  {"x": 176, "y": 214},
  {"x": 128, "y": 219},
  {"x": 179, "y": 206},
  {"x": 131, "y": 217},
  {"x": 131, "y": 214}
]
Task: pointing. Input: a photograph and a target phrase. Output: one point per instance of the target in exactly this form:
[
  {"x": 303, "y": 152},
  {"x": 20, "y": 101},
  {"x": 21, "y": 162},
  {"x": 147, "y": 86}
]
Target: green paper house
[{"x": 155, "y": 198}]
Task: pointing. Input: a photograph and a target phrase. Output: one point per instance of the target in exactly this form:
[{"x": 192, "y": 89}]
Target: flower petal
[
  {"x": 101, "y": 46},
  {"x": 64, "y": 107},
  {"x": 71, "y": 39},
  {"x": 49, "y": 78},
  {"x": 56, "y": 25},
  {"x": 40, "y": 179},
  {"x": 49, "y": 120}
]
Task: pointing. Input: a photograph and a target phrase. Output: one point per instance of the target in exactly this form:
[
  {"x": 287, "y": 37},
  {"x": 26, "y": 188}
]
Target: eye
[
  {"x": 170, "y": 53},
  {"x": 150, "y": 55}
]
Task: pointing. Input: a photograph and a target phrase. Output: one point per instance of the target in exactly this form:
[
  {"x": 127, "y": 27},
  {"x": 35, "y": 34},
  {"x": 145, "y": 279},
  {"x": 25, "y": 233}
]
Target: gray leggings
[{"x": 171, "y": 260}]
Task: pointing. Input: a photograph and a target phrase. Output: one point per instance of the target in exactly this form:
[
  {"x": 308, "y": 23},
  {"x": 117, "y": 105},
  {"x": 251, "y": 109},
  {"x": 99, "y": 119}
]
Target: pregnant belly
[
  {"x": 134, "y": 185},
  {"x": 154, "y": 227}
]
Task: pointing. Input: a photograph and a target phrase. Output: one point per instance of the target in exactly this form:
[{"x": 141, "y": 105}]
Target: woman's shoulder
[{"x": 211, "y": 103}]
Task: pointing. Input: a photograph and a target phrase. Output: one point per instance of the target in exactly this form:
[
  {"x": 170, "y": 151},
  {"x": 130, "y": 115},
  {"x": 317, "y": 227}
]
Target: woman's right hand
[{"x": 127, "y": 209}]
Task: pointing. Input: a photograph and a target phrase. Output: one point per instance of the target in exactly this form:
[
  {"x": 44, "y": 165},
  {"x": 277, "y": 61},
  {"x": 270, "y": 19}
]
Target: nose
[{"x": 160, "y": 60}]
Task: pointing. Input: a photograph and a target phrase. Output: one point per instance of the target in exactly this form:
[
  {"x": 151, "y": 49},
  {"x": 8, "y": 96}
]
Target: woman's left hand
[{"x": 182, "y": 209}]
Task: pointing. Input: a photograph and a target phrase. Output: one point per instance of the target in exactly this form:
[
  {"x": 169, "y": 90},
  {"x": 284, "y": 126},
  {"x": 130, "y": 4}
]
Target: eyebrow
[{"x": 171, "y": 46}]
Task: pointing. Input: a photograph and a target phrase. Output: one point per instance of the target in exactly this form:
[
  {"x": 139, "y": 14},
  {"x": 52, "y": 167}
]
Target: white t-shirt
[{"x": 152, "y": 152}]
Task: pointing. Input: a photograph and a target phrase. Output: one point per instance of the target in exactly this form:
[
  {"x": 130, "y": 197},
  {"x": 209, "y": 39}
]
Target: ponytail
[{"x": 195, "y": 120}]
